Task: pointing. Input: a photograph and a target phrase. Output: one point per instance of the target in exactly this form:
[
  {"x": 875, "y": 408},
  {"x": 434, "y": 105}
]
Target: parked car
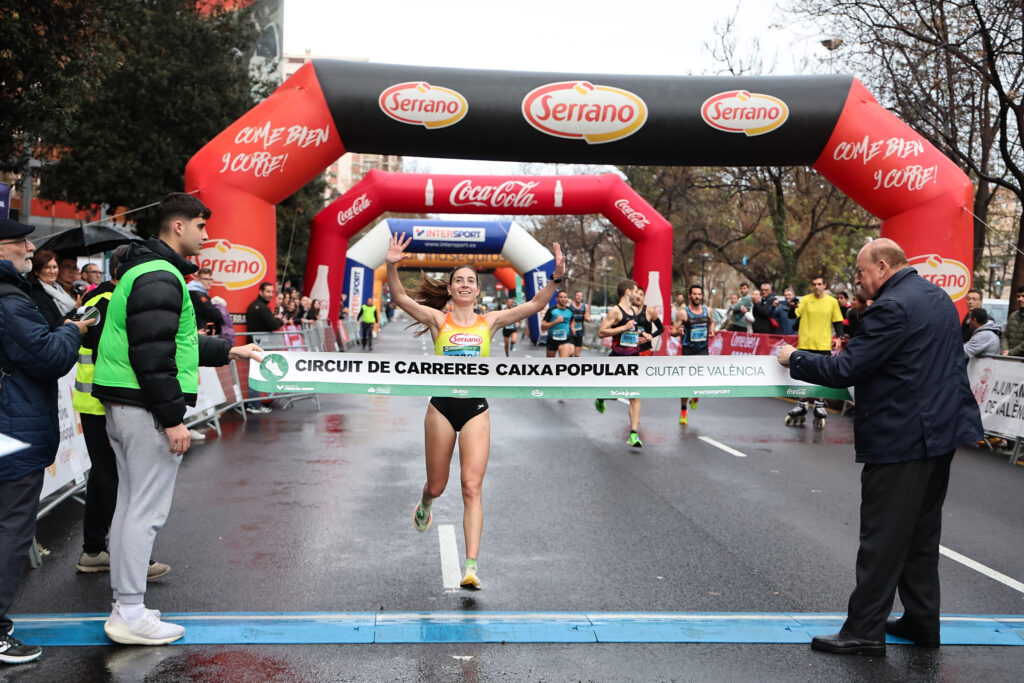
[{"x": 997, "y": 309}]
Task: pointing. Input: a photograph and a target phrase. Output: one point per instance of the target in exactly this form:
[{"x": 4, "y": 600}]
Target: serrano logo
[
  {"x": 949, "y": 274},
  {"x": 583, "y": 111},
  {"x": 739, "y": 111},
  {"x": 465, "y": 339},
  {"x": 235, "y": 266},
  {"x": 421, "y": 104}
]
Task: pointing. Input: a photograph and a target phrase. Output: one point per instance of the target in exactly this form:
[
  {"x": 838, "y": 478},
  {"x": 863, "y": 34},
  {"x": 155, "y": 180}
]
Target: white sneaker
[
  {"x": 197, "y": 435},
  {"x": 146, "y": 630}
]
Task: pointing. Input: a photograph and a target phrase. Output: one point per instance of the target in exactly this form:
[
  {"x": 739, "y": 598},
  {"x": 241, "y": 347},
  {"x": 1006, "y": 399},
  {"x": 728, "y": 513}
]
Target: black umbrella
[{"x": 87, "y": 240}]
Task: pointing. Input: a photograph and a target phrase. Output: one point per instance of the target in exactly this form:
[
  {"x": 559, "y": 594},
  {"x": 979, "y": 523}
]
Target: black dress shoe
[
  {"x": 846, "y": 644},
  {"x": 901, "y": 629}
]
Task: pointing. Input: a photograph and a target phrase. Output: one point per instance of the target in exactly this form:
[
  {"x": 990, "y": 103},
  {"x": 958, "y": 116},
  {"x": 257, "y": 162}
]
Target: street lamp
[
  {"x": 607, "y": 270},
  {"x": 703, "y": 260}
]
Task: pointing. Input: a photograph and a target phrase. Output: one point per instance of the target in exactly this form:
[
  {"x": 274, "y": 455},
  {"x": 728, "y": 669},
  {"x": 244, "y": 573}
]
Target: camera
[
  {"x": 79, "y": 287},
  {"x": 89, "y": 314}
]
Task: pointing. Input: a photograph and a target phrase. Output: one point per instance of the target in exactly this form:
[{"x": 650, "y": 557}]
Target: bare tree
[{"x": 953, "y": 70}]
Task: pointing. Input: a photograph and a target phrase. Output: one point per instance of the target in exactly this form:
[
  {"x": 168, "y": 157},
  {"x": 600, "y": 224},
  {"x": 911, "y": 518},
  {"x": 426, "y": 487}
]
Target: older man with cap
[
  {"x": 914, "y": 407},
  {"x": 32, "y": 359}
]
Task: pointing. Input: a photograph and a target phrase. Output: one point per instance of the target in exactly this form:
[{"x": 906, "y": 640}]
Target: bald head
[
  {"x": 884, "y": 249},
  {"x": 878, "y": 261}
]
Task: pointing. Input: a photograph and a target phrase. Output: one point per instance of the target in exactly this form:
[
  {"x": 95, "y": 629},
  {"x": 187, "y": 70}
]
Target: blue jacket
[
  {"x": 908, "y": 372},
  {"x": 36, "y": 358}
]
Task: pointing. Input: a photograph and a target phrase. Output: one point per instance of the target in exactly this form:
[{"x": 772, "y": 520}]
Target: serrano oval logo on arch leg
[
  {"x": 235, "y": 266},
  {"x": 951, "y": 275},
  {"x": 583, "y": 111}
]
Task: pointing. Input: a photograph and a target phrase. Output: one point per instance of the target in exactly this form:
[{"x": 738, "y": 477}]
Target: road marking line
[
  {"x": 449, "y": 556},
  {"x": 719, "y": 444},
  {"x": 979, "y": 567}
]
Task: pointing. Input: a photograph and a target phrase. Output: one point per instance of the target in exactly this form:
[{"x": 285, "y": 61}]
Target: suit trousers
[
  {"x": 19, "y": 505},
  {"x": 900, "y": 526}
]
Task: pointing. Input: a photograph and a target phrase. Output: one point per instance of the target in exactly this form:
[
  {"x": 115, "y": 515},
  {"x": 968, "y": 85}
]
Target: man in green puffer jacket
[{"x": 147, "y": 372}]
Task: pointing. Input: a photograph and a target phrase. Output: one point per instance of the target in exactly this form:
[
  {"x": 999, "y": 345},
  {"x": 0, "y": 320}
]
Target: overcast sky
[{"x": 581, "y": 36}]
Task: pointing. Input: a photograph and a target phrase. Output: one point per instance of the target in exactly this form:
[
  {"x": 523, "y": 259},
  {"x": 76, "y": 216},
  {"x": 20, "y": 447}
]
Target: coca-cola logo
[
  {"x": 583, "y": 111},
  {"x": 360, "y": 204},
  {"x": 465, "y": 339},
  {"x": 949, "y": 274},
  {"x": 739, "y": 111},
  {"x": 235, "y": 266},
  {"x": 509, "y": 194},
  {"x": 632, "y": 215},
  {"x": 421, "y": 104}
]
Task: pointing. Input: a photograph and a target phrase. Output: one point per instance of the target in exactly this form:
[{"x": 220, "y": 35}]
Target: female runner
[{"x": 458, "y": 333}]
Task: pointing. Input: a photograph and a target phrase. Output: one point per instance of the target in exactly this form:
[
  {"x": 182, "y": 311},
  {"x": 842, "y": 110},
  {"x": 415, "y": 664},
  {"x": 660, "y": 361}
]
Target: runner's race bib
[
  {"x": 461, "y": 351},
  {"x": 629, "y": 339},
  {"x": 560, "y": 334},
  {"x": 699, "y": 333}
]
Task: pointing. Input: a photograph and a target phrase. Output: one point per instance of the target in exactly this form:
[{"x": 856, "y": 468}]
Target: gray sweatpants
[{"x": 146, "y": 471}]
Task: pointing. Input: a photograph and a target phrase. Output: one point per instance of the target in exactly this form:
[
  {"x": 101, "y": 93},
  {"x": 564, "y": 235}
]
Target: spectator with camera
[
  {"x": 69, "y": 277},
  {"x": 32, "y": 358}
]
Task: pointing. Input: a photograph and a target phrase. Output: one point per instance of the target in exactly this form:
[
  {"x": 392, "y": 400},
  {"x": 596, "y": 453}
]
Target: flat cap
[{"x": 10, "y": 230}]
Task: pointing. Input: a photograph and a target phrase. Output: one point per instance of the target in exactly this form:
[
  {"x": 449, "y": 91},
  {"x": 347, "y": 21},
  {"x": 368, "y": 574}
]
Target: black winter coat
[
  {"x": 153, "y": 316},
  {"x": 259, "y": 317},
  {"x": 907, "y": 368},
  {"x": 35, "y": 358}
]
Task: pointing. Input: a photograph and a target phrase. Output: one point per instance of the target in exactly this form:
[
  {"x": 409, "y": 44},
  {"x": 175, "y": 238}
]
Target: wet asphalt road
[{"x": 306, "y": 510}]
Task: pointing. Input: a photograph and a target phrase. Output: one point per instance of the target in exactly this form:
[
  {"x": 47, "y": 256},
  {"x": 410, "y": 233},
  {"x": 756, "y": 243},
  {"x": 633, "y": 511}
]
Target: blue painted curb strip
[{"x": 241, "y": 628}]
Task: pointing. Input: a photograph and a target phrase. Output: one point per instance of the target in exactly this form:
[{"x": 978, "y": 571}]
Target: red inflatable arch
[
  {"x": 380, "y": 191},
  {"x": 329, "y": 107}
]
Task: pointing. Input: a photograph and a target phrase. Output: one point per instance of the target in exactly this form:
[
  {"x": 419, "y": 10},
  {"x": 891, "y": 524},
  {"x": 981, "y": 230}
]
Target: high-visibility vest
[
  {"x": 82, "y": 398},
  {"x": 369, "y": 314},
  {"x": 113, "y": 368}
]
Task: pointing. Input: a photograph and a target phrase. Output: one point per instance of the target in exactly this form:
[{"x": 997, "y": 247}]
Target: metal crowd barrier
[
  {"x": 233, "y": 378},
  {"x": 991, "y": 433}
]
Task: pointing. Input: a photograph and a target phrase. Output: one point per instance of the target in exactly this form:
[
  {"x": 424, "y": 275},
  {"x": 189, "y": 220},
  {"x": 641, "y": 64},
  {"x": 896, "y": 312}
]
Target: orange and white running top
[{"x": 453, "y": 340}]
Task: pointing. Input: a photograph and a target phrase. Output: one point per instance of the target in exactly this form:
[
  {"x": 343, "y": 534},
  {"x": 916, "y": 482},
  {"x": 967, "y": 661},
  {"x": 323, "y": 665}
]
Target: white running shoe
[{"x": 146, "y": 630}]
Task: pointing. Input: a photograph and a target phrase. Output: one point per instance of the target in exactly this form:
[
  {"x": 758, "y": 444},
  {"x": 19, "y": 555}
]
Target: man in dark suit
[{"x": 914, "y": 407}]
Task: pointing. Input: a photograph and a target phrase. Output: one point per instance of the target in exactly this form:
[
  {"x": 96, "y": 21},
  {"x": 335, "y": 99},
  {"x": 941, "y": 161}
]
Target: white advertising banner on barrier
[
  {"x": 211, "y": 393},
  {"x": 605, "y": 377},
  {"x": 998, "y": 386},
  {"x": 72, "y": 461}
]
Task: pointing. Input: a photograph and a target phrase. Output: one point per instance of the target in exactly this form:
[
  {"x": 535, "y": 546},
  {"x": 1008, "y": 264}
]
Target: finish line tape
[{"x": 548, "y": 378}]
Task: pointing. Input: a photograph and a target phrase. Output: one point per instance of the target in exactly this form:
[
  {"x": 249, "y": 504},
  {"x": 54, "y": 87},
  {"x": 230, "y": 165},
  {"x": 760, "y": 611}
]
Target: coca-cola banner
[
  {"x": 748, "y": 344},
  {"x": 381, "y": 191},
  {"x": 328, "y": 107}
]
